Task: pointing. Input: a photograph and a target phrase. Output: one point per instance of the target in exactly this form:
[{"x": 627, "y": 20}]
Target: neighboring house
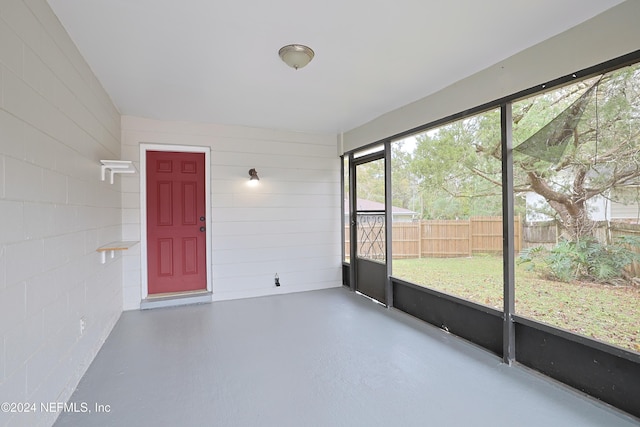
[
  {"x": 398, "y": 214},
  {"x": 625, "y": 205},
  {"x": 600, "y": 209}
]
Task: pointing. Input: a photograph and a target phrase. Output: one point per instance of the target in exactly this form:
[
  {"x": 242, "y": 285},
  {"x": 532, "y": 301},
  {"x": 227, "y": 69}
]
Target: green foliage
[
  {"x": 454, "y": 170},
  {"x": 533, "y": 258},
  {"x": 583, "y": 259},
  {"x": 370, "y": 181},
  {"x": 455, "y": 174}
]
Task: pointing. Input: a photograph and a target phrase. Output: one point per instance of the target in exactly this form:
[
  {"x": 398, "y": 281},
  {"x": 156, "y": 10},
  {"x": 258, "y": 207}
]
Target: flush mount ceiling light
[{"x": 296, "y": 55}]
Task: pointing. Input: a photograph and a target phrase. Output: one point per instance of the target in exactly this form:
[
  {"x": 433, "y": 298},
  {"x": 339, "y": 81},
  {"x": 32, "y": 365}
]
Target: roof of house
[{"x": 370, "y": 205}]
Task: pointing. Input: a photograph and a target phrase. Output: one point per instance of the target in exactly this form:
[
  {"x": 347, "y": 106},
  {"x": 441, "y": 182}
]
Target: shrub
[{"x": 584, "y": 259}]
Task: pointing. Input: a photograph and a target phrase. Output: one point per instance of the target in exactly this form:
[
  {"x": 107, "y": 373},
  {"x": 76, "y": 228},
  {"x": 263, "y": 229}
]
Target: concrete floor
[{"x": 322, "y": 358}]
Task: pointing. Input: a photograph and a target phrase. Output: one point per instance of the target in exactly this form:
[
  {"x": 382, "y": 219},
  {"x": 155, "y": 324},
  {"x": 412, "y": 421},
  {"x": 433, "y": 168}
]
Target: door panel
[
  {"x": 370, "y": 226},
  {"x": 372, "y": 277},
  {"x": 165, "y": 257},
  {"x": 176, "y": 238}
]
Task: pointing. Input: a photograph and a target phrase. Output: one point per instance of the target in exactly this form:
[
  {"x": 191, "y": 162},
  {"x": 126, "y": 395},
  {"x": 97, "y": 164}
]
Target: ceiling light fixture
[{"x": 296, "y": 55}]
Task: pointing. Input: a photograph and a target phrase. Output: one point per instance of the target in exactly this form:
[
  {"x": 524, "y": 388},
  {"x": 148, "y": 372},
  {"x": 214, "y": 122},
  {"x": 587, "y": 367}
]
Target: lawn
[{"x": 607, "y": 313}]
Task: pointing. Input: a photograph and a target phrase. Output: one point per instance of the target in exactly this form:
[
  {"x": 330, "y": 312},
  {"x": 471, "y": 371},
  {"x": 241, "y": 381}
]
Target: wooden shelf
[{"x": 112, "y": 247}]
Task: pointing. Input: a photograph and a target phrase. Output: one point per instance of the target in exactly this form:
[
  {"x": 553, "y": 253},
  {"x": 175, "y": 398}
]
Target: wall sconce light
[
  {"x": 296, "y": 55},
  {"x": 253, "y": 176}
]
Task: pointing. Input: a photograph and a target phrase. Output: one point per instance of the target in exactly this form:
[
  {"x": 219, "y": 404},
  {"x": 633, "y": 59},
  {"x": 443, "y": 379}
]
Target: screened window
[
  {"x": 447, "y": 209},
  {"x": 576, "y": 177}
]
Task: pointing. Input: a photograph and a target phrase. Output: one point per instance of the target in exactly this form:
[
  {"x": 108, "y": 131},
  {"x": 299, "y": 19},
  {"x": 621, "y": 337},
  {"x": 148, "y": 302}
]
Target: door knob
[
  {"x": 201, "y": 218},
  {"x": 202, "y": 228}
]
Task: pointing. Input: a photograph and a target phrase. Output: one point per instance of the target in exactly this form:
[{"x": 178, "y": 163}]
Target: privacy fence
[
  {"x": 477, "y": 235},
  {"x": 445, "y": 238},
  {"x": 617, "y": 229}
]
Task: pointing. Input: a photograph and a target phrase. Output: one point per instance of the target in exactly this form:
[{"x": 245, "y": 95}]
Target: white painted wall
[
  {"x": 627, "y": 212},
  {"x": 56, "y": 123},
  {"x": 289, "y": 224},
  {"x": 611, "y": 34}
]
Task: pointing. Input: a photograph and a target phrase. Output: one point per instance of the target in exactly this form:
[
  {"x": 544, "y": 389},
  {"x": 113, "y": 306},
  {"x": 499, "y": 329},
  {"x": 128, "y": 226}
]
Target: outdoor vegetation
[
  {"x": 585, "y": 259},
  {"x": 608, "y": 313},
  {"x": 576, "y": 165}
]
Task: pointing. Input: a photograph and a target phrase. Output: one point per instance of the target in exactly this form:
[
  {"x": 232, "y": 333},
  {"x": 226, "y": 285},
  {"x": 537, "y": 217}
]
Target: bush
[{"x": 584, "y": 259}]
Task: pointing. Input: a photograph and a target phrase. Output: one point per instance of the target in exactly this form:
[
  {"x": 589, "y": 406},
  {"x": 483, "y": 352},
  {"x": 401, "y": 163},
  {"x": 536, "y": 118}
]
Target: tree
[
  {"x": 456, "y": 181},
  {"x": 370, "y": 181},
  {"x": 404, "y": 191},
  {"x": 600, "y": 152}
]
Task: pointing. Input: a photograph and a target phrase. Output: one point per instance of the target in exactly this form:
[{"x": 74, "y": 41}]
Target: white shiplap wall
[
  {"x": 56, "y": 123},
  {"x": 289, "y": 224}
]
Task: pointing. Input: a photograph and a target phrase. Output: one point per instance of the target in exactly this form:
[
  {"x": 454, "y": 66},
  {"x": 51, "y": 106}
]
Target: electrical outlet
[
  {"x": 277, "y": 280},
  {"x": 83, "y": 325}
]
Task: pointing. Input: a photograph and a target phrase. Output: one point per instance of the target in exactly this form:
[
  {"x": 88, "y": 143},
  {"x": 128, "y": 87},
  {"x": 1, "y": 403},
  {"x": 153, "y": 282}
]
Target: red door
[{"x": 176, "y": 238}]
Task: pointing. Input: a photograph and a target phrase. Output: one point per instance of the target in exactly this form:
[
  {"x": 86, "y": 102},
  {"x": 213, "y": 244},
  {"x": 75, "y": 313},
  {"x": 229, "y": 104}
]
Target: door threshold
[
  {"x": 370, "y": 298},
  {"x": 176, "y": 299}
]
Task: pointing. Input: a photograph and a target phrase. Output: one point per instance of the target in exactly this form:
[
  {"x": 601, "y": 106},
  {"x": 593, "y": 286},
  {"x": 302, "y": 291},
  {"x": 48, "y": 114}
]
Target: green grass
[{"x": 604, "y": 312}]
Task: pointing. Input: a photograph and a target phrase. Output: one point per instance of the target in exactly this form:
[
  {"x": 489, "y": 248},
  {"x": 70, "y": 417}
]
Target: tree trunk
[{"x": 571, "y": 208}]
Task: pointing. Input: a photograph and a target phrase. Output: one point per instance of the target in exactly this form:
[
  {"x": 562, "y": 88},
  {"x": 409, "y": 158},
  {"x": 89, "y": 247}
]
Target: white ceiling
[{"x": 216, "y": 61}]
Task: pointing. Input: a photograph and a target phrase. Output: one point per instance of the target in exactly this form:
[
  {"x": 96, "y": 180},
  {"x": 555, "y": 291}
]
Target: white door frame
[{"x": 144, "y": 147}]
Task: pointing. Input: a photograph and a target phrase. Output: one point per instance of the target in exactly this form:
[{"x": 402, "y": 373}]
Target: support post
[
  {"x": 508, "y": 235},
  {"x": 420, "y": 238},
  {"x": 388, "y": 222},
  {"x": 353, "y": 232}
]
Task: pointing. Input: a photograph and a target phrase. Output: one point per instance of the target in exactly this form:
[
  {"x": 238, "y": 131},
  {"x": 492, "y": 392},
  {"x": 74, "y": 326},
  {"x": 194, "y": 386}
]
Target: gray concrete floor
[{"x": 322, "y": 358}]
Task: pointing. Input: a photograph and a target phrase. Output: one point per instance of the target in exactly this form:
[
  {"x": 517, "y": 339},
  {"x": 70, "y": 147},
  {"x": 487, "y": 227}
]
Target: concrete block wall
[
  {"x": 56, "y": 123},
  {"x": 289, "y": 224}
]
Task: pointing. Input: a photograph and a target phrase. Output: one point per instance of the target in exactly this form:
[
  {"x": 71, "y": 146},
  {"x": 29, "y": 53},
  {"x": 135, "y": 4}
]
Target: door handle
[
  {"x": 202, "y": 229},
  {"x": 202, "y": 218}
]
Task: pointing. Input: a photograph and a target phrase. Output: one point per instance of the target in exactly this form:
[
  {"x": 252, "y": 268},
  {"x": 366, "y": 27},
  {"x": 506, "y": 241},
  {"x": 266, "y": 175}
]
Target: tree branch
[
  {"x": 540, "y": 186},
  {"x": 484, "y": 176}
]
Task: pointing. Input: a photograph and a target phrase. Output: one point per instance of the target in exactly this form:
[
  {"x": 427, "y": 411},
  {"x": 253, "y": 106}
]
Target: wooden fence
[
  {"x": 448, "y": 238},
  {"x": 464, "y": 238},
  {"x": 618, "y": 229}
]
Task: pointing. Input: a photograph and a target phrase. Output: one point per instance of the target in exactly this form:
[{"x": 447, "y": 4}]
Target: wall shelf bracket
[
  {"x": 112, "y": 248},
  {"x": 116, "y": 166}
]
